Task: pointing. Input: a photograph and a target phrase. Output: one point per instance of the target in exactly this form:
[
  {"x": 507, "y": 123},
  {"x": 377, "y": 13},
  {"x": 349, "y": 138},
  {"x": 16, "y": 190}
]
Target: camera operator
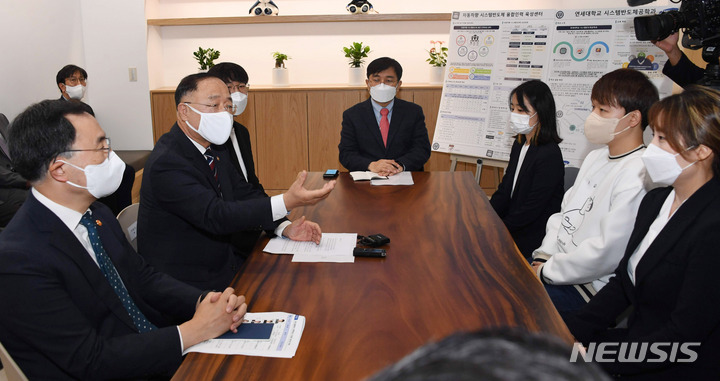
[{"x": 678, "y": 67}]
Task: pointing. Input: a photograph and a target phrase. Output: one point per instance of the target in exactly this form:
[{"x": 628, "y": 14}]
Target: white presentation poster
[{"x": 492, "y": 52}]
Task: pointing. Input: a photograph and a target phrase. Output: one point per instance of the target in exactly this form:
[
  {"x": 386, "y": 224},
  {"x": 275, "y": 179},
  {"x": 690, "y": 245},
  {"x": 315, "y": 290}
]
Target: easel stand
[{"x": 495, "y": 164}]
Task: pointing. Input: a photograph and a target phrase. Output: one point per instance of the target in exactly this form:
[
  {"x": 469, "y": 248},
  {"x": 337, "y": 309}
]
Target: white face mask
[
  {"x": 214, "y": 127},
  {"x": 520, "y": 123},
  {"x": 240, "y": 100},
  {"x": 662, "y": 166},
  {"x": 382, "y": 93},
  {"x": 601, "y": 130},
  {"x": 75, "y": 92},
  {"x": 101, "y": 179}
]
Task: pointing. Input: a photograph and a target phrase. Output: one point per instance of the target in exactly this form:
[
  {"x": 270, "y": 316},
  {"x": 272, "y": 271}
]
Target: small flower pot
[
  {"x": 437, "y": 75},
  {"x": 280, "y": 77},
  {"x": 356, "y": 76}
]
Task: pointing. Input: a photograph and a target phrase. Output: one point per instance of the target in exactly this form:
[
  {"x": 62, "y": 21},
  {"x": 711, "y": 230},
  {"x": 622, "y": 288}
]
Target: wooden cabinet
[{"x": 298, "y": 127}]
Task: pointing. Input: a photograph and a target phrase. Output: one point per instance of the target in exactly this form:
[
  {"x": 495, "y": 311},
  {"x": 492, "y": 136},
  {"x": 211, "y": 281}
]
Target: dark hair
[
  {"x": 540, "y": 97},
  {"x": 689, "y": 119},
  {"x": 626, "y": 88},
  {"x": 41, "y": 133},
  {"x": 67, "y": 72},
  {"x": 189, "y": 84},
  {"x": 382, "y": 63},
  {"x": 229, "y": 72},
  {"x": 506, "y": 354}
]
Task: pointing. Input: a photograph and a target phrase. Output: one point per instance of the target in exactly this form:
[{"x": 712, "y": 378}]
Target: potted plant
[
  {"x": 206, "y": 58},
  {"x": 437, "y": 60},
  {"x": 280, "y": 72},
  {"x": 357, "y": 53}
]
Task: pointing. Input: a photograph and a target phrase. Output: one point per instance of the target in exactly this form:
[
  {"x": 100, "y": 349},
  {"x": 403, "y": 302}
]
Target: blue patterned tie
[{"x": 111, "y": 274}]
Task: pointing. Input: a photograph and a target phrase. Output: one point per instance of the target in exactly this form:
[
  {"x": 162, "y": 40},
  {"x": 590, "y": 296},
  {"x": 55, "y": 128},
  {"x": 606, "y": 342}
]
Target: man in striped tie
[
  {"x": 78, "y": 302},
  {"x": 193, "y": 200}
]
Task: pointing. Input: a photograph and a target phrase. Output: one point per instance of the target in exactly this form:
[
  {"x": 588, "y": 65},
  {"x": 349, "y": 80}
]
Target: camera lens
[{"x": 657, "y": 27}]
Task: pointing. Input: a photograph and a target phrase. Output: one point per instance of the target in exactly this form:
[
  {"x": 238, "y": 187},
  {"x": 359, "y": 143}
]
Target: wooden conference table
[{"x": 451, "y": 265}]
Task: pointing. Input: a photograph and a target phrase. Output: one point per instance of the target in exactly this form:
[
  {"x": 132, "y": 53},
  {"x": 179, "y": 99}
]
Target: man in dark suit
[
  {"x": 78, "y": 302},
  {"x": 192, "y": 200},
  {"x": 72, "y": 83},
  {"x": 238, "y": 146},
  {"x": 13, "y": 187},
  {"x": 384, "y": 134}
]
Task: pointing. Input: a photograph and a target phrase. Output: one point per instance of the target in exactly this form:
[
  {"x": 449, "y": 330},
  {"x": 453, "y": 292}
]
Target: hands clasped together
[
  {"x": 214, "y": 315},
  {"x": 385, "y": 167}
]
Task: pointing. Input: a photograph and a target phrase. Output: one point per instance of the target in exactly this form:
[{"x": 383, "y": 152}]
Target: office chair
[
  {"x": 570, "y": 175},
  {"x": 128, "y": 221},
  {"x": 11, "y": 368}
]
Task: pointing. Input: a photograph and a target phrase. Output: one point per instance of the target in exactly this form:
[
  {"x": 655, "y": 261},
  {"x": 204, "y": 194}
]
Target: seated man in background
[
  {"x": 13, "y": 187},
  {"x": 71, "y": 80},
  {"x": 384, "y": 134},
  {"x": 584, "y": 242},
  {"x": 192, "y": 200},
  {"x": 78, "y": 302},
  {"x": 238, "y": 146}
]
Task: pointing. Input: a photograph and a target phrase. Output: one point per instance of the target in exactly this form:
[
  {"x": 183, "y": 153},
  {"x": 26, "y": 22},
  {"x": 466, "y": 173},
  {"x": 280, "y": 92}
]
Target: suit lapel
[
  {"x": 191, "y": 153},
  {"x": 396, "y": 120},
  {"x": 675, "y": 229},
  {"x": 65, "y": 242},
  {"x": 522, "y": 167},
  {"x": 241, "y": 147},
  {"x": 371, "y": 123}
]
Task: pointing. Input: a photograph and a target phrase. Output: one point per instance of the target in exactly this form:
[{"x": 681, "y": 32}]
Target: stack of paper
[
  {"x": 402, "y": 178},
  {"x": 333, "y": 247},
  {"x": 266, "y": 334}
]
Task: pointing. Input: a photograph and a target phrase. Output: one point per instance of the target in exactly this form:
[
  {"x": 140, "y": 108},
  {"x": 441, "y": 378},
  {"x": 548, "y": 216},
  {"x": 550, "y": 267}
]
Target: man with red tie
[{"x": 384, "y": 134}]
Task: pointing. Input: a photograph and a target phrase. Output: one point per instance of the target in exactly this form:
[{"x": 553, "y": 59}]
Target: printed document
[
  {"x": 265, "y": 334},
  {"x": 333, "y": 247},
  {"x": 402, "y": 178}
]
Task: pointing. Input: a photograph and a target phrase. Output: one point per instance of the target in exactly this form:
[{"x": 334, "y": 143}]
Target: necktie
[
  {"x": 384, "y": 124},
  {"x": 108, "y": 269},
  {"x": 211, "y": 160}
]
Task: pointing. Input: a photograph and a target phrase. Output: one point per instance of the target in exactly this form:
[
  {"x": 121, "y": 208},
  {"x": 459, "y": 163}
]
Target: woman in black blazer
[
  {"x": 525, "y": 201},
  {"x": 670, "y": 269}
]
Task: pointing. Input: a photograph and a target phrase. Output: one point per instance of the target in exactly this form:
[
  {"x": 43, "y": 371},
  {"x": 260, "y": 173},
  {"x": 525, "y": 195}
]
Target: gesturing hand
[
  {"x": 303, "y": 230},
  {"x": 298, "y": 195}
]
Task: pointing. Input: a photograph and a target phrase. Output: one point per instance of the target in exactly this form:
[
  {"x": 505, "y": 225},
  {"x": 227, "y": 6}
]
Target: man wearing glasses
[
  {"x": 78, "y": 302},
  {"x": 238, "y": 146},
  {"x": 384, "y": 134},
  {"x": 192, "y": 199},
  {"x": 72, "y": 82}
]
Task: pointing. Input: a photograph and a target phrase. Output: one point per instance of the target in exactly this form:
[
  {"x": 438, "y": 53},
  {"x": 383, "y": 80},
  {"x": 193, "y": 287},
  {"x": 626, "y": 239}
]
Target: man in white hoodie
[{"x": 585, "y": 241}]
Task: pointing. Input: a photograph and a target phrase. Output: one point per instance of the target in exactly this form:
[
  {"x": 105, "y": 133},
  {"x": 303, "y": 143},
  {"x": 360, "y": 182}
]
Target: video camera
[{"x": 700, "y": 22}]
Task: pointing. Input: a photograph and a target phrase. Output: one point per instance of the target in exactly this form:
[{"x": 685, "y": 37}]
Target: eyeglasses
[
  {"x": 105, "y": 149},
  {"x": 388, "y": 81},
  {"x": 231, "y": 108},
  {"x": 240, "y": 87},
  {"x": 72, "y": 81}
]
